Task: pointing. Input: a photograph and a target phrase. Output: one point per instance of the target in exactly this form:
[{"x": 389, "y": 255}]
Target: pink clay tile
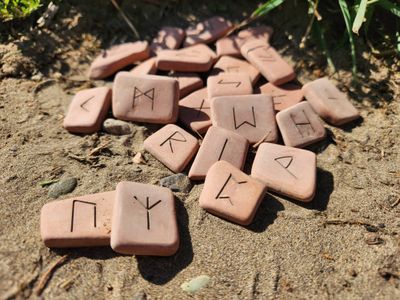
[
  {"x": 144, "y": 220},
  {"x": 231, "y": 194},
  {"x": 81, "y": 221},
  {"x": 286, "y": 170},
  {"x": 87, "y": 110},
  {"x": 172, "y": 146},
  {"x": 145, "y": 98}
]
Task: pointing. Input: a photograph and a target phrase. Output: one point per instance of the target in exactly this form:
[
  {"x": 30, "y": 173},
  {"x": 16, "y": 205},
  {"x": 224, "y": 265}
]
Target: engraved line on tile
[
  {"x": 148, "y": 207},
  {"x": 230, "y": 82},
  {"x": 285, "y": 162},
  {"x": 303, "y": 125},
  {"x": 149, "y": 94},
  {"x": 244, "y": 122},
  {"x": 219, "y": 196},
  {"x": 73, "y": 212},
  {"x": 85, "y": 102},
  {"x": 232, "y": 69},
  {"x": 201, "y": 108},
  {"x": 171, "y": 138},
  {"x": 222, "y": 150}
]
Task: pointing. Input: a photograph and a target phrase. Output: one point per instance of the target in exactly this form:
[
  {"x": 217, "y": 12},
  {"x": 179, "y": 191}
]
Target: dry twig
[{"x": 47, "y": 275}]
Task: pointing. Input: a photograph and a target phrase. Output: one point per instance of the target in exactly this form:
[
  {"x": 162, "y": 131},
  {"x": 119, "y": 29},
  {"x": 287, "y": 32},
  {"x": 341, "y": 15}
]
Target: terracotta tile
[
  {"x": 233, "y": 65},
  {"x": 286, "y": 170},
  {"x": 168, "y": 38},
  {"x": 251, "y": 116},
  {"x": 268, "y": 61},
  {"x": 172, "y": 146},
  {"x": 188, "y": 82},
  {"x": 219, "y": 144},
  {"x": 194, "y": 111},
  {"x": 87, "y": 110},
  {"x": 146, "y": 98},
  {"x": 228, "y": 46},
  {"x": 207, "y": 31},
  {"x": 198, "y": 58},
  {"x": 284, "y": 96},
  {"x": 300, "y": 126},
  {"x": 144, "y": 220},
  {"x": 231, "y": 194},
  {"x": 82, "y": 221},
  {"x": 145, "y": 68},
  {"x": 329, "y": 102},
  {"x": 262, "y": 33},
  {"x": 117, "y": 57},
  {"x": 225, "y": 84}
]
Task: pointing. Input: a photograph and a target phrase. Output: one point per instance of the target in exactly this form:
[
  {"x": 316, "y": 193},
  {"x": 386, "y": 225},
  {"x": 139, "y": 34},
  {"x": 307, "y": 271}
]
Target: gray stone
[
  {"x": 64, "y": 186},
  {"x": 177, "y": 183},
  {"x": 117, "y": 127}
]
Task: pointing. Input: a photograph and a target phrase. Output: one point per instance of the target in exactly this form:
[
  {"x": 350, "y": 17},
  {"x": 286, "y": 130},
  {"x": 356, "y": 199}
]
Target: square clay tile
[
  {"x": 262, "y": 33},
  {"x": 228, "y": 46},
  {"x": 300, "y": 126},
  {"x": 117, "y": 57},
  {"x": 268, "y": 61},
  {"x": 144, "y": 220},
  {"x": 219, "y": 144},
  {"x": 229, "y": 64},
  {"x": 251, "y": 116},
  {"x": 231, "y": 194},
  {"x": 146, "y": 98},
  {"x": 188, "y": 82},
  {"x": 172, "y": 146},
  {"x": 329, "y": 102},
  {"x": 194, "y": 111},
  {"x": 284, "y": 96},
  {"x": 145, "y": 68},
  {"x": 168, "y": 38},
  {"x": 207, "y": 31},
  {"x": 87, "y": 110},
  {"x": 286, "y": 170},
  {"x": 225, "y": 84},
  {"x": 82, "y": 221},
  {"x": 198, "y": 58}
]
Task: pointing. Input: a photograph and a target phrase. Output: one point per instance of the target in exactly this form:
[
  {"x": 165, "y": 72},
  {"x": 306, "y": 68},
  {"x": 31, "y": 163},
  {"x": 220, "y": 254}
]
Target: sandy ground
[{"x": 343, "y": 245}]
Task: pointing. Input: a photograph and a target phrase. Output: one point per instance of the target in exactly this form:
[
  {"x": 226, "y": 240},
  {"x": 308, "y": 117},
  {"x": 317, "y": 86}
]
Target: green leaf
[
  {"x": 322, "y": 41},
  {"x": 360, "y": 16},
  {"x": 347, "y": 19},
  {"x": 266, "y": 8},
  {"x": 389, "y": 6}
]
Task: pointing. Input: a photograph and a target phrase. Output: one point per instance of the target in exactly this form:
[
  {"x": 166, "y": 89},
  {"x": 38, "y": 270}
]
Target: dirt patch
[{"x": 325, "y": 249}]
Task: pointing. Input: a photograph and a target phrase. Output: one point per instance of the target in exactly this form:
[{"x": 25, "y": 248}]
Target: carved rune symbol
[
  {"x": 229, "y": 82},
  {"x": 244, "y": 122},
  {"x": 226, "y": 196},
  {"x": 177, "y": 137},
  {"x": 201, "y": 108},
  {"x": 303, "y": 125},
  {"x": 274, "y": 96},
  {"x": 266, "y": 56},
  {"x": 74, "y": 202},
  {"x": 284, "y": 162},
  {"x": 147, "y": 207},
  {"x": 149, "y": 95},
  {"x": 222, "y": 150},
  {"x": 84, "y": 103}
]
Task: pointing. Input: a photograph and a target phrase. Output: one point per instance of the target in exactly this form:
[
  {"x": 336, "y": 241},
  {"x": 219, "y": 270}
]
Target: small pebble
[
  {"x": 177, "y": 183},
  {"x": 195, "y": 284},
  {"x": 139, "y": 158},
  {"x": 140, "y": 296},
  {"x": 117, "y": 127},
  {"x": 64, "y": 186}
]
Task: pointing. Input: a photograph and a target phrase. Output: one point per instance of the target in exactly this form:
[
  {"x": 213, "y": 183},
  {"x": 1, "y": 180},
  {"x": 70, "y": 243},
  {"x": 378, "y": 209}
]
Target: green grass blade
[
  {"x": 325, "y": 49},
  {"x": 347, "y": 19},
  {"x": 360, "y": 16},
  {"x": 389, "y": 6},
  {"x": 266, "y": 8}
]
